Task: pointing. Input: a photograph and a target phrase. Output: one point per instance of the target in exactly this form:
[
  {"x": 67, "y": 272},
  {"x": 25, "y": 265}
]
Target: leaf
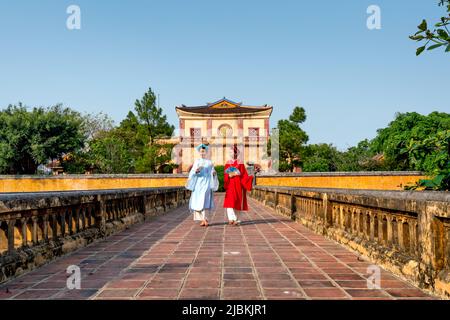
[
  {"x": 442, "y": 33},
  {"x": 428, "y": 183},
  {"x": 420, "y": 50},
  {"x": 423, "y": 25},
  {"x": 438, "y": 179},
  {"x": 417, "y": 38},
  {"x": 448, "y": 48},
  {"x": 435, "y": 46}
]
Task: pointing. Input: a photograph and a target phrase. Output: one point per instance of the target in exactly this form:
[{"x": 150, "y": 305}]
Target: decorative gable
[{"x": 223, "y": 104}]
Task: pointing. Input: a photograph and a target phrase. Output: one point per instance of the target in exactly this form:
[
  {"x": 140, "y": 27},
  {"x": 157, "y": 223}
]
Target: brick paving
[{"x": 171, "y": 257}]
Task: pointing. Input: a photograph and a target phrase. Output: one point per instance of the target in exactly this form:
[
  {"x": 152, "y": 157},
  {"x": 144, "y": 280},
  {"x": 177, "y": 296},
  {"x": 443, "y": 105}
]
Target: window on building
[
  {"x": 253, "y": 132},
  {"x": 196, "y": 132}
]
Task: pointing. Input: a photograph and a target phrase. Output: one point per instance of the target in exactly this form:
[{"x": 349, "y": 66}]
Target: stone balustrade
[
  {"x": 37, "y": 227},
  {"x": 407, "y": 232}
]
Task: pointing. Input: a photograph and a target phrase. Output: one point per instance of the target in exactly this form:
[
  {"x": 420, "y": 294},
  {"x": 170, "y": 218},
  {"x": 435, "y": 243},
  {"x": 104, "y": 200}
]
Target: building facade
[{"x": 223, "y": 124}]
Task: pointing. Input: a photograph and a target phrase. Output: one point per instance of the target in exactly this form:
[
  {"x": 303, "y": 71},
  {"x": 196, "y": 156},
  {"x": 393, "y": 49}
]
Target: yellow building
[{"x": 223, "y": 124}]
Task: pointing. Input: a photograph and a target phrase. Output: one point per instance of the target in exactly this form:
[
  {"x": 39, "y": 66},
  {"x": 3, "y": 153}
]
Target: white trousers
[
  {"x": 231, "y": 214},
  {"x": 199, "y": 215}
]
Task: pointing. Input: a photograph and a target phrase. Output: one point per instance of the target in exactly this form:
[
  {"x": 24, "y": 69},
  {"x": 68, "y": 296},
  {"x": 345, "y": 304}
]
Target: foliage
[
  {"x": 77, "y": 163},
  {"x": 134, "y": 135},
  {"x": 433, "y": 155},
  {"x": 393, "y": 140},
  {"x": 220, "y": 174},
  {"x": 109, "y": 154},
  {"x": 320, "y": 158},
  {"x": 128, "y": 148},
  {"x": 151, "y": 117},
  {"x": 327, "y": 158},
  {"x": 359, "y": 158},
  {"x": 284, "y": 167},
  {"x": 439, "y": 36},
  {"x": 95, "y": 124},
  {"x": 30, "y": 138},
  {"x": 154, "y": 159},
  {"x": 292, "y": 137}
]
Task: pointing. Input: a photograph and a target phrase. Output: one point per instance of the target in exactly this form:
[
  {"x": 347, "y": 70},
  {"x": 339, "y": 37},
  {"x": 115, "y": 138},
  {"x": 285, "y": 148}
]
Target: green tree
[
  {"x": 140, "y": 131},
  {"x": 30, "y": 138},
  {"x": 359, "y": 158},
  {"x": 154, "y": 158},
  {"x": 131, "y": 146},
  {"x": 77, "y": 162},
  {"x": 109, "y": 154},
  {"x": 393, "y": 140},
  {"x": 432, "y": 155},
  {"x": 95, "y": 127},
  {"x": 134, "y": 135},
  {"x": 291, "y": 139},
  {"x": 95, "y": 124},
  {"x": 152, "y": 118},
  {"x": 320, "y": 157},
  {"x": 439, "y": 36}
]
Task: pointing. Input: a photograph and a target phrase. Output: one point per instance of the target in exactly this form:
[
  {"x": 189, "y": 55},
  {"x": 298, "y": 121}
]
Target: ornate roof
[{"x": 223, "y": 106}]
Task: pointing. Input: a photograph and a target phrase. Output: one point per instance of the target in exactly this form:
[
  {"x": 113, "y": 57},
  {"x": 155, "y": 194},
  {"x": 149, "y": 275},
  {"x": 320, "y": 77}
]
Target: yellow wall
[
  {"x": 195, "y": 123},
  {"x": 66, "y": 183},
  {"x": 93, "y": 182},
  {"x": 215, "y": 124},
  {"x": 377, "y": 182},
  {"x": 254, "y": 123}
]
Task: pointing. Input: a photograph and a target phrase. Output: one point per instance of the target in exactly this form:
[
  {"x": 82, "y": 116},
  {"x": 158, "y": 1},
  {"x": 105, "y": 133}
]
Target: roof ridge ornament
[{"x": 224, "y": 103}]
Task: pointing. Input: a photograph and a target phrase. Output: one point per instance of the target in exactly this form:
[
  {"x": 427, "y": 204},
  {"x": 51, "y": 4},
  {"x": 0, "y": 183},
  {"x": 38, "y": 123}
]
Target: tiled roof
[
  {"x": 212, "y": 108},
  {"x": 208, "y": 110}
]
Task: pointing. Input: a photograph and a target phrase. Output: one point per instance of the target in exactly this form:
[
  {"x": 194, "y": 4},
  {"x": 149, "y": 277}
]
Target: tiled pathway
[{"x": 171, "y": 257}]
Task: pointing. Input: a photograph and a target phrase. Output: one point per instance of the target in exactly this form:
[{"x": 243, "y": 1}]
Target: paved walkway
[{"x": 171, "y": 257}]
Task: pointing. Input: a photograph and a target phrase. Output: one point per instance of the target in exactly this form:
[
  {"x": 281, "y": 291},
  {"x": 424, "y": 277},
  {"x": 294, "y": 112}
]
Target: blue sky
[{"x": 315, "y": 54}]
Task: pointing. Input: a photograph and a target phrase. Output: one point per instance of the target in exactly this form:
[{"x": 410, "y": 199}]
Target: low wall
[
  {"x": 373, "y": 180},
  {"x": 346, "y": 180},
  {"x": 38, "y": 227},
  {"x": 406, "y": 232},
  {"x": 20, "y": 183}
]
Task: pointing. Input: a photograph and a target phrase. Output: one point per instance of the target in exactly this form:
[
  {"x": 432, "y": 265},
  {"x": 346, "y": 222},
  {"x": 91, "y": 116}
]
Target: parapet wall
[
  {"x": 371, "y": 180},
  {"x": 375, "y": 180},
  {"x": 35, "y": 228},
  {"x": 36, "y": 183},
  {"x": 406, "y": 232}
]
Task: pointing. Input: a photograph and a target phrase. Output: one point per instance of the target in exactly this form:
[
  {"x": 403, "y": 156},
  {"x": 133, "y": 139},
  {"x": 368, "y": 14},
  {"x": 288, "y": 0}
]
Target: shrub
[{"x": 220, "y": 173}]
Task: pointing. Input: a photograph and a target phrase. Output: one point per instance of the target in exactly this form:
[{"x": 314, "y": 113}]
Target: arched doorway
[{"x": 225, "y": 131}]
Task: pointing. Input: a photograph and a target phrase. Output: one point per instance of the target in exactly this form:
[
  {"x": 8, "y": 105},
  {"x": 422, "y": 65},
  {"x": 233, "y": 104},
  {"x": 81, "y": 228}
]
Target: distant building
[{"x": 223, "y": 124}]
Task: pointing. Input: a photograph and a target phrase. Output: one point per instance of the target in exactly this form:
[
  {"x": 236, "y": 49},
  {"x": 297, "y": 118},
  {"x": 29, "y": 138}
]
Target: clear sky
[{"x": 316, "y": 54}]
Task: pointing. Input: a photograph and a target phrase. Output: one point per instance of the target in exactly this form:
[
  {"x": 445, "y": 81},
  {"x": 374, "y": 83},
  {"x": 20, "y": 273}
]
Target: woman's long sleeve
[
  {"x": 226, "y": 177},
  {"x": 246, "y": 180},
  {"x": 194, "y": 167}
]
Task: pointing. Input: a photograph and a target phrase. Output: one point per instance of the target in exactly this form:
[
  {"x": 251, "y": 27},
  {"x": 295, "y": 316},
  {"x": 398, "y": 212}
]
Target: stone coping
[
  {"x": 397, "y": 194},
  {"x": 70, "y": 193},
  {"x": 408, "y": 201},
  {"x": 337, "y": 174},
  {"x": 10, "y": 202}
]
